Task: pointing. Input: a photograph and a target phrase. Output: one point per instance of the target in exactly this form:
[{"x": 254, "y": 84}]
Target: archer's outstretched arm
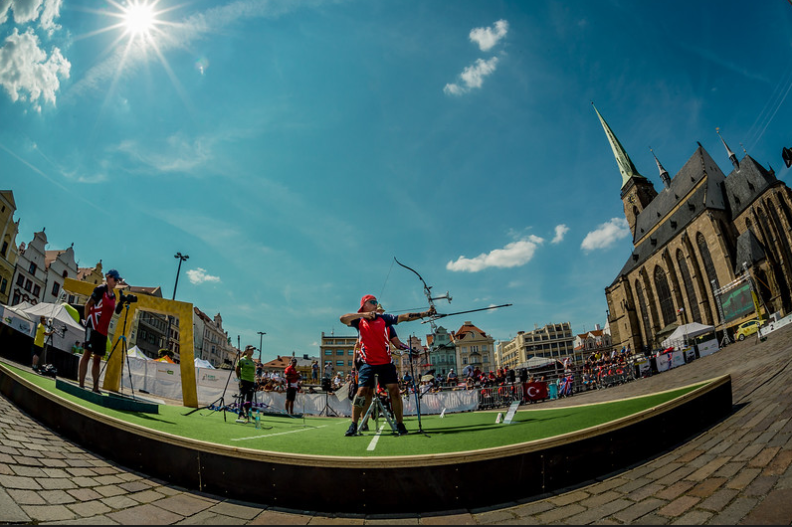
[
  {"x": 409, "y": 317},
  {"x": 350, "y": 317}
]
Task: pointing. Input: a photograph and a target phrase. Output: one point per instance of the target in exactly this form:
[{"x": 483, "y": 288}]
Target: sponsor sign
[
  {"x": 168, "y": 372},
  {"x": 212, "y": 378},
  {"x": 690, "y": 354},
  {"x": 9, "y": 318},
  {"x": 663, "y": 362},
  {"x": 708, "y": 348},
  {"x": 677, "y": 359}
]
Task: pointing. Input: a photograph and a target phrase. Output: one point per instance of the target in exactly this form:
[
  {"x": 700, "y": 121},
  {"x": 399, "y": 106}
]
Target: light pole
[
  {"x": 261, "y": 338},
  {"x": 182, "y": 258}
]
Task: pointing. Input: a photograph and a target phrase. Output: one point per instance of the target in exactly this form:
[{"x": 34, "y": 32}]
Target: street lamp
[
  {"x": 261, "y": 337},
  {"x": 182, "y": 258}
]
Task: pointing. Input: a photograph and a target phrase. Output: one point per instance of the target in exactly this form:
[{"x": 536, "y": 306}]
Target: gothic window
[
  {"x": 644, "y": 312},
  {"x": 695, "y": 315},
  {"x": 664, "y": 296},
  {"x": 5, "y": 249},
  {"x": 785, "y": 209},
  {"x": 706, "y": 257}
]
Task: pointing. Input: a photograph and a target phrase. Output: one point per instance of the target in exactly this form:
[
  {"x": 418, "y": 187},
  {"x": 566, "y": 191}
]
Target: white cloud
[
  {"x": 560, "y": 232},
  {"x": 27, "y": 73},
  {"x": 24, "y": 10},
  {"x": 179, "y": 154},
  {"x": 606, "y": 235},
  {"x": 472, "y": 77},
  {"x": 199, "y": 276},
  {"x": 487, "y": 37},
  {"x": 514, "y": 254},
  {"x": 50, "y": 12}
]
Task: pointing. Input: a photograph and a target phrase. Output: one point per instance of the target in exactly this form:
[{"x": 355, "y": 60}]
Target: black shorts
[
  {"x": 95, "y": 342},
  {"x": 385, "y": 372},
  {"x": 37, "y": 350},
  {"x": 291, "y": 394}
]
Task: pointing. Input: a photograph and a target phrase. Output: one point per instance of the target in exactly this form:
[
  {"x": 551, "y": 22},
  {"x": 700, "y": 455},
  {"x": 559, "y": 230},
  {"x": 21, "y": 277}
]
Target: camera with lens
[{"x": 128, "y": 299}]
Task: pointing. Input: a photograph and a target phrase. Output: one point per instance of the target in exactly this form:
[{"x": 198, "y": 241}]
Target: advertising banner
[
  {"x": 210, "y": 378},
  {"x": 708, "y": 348},
  {"x": 9, "y": 318},
  {"x": 690, "y": 354},
  {"x": 168, "y": 372},
  {"x": 677, "y": 359},
  {"x": 663, "y": 362}
]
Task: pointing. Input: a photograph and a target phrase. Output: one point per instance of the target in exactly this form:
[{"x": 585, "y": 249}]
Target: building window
[
  {"x": 32, "y": 269},
  {"x": 351, "y": 352},
  {"x": 340, "y": 352},
  {"x": 55, "y": 288},
  {"x": 28, "y": 285},
  {"x": 689, "y": 289},
  {"x": 328, "y": 353},
  {"x": 3, "y": 287},
  {"x": 5, "y": 249},
  {"x": 20, "y": 280},
  {"x": 340, "y": 363},
  {"x": 350, "y": 363},
  {"x": 709, "y": 266}
]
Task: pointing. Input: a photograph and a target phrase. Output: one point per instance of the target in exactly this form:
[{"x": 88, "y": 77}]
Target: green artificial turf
[{"x": 325, "y": 436}]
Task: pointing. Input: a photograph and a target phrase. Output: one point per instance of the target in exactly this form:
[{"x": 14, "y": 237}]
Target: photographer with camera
[{"x": 98, "y": 313}]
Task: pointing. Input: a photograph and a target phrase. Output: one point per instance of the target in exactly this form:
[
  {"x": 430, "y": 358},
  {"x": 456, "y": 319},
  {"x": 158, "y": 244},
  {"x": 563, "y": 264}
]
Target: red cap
[{"x": 364, "y": 300}]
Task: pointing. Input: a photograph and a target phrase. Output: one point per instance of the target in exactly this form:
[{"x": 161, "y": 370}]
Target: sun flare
[{"x": 139, "y": 18}]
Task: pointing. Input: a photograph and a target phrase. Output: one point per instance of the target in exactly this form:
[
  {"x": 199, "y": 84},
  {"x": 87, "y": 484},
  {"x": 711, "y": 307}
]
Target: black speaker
[{"x": 326, "y": 385}]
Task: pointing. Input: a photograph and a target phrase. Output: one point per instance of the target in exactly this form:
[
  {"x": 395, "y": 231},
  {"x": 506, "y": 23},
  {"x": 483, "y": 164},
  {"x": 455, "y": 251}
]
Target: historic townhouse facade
[
  {"x": 553, "y": 341},
  {"x": 698, "y": 234},
  {"x": 30, "y": 275},
  {"x": 474, "y": 348},
  {"x": 9, "y": 253},
  {"x": 60, "y": 265}
]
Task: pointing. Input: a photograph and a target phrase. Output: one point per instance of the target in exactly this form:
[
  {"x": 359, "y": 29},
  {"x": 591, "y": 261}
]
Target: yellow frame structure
[{"x": 182, "y": 310}]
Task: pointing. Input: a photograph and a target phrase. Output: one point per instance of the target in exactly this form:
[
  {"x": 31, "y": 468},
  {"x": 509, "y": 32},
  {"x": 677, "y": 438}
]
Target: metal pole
[
  {"x": 261, "y": 338},
  {"x": 182, "y": 258}
]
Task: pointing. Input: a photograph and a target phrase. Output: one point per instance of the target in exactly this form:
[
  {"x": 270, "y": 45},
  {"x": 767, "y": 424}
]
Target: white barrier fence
[{"x": 164, "y": 380}]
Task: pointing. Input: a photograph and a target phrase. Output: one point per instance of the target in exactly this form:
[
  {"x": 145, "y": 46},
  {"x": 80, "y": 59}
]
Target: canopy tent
[
  {"x": 17, "y": 319},
  {"x": 166, "y": 359},
  {"x": 200, "y": 363},
  {"x": 536, "y": 362},
  {"x": 67, "y": 330},
  {"x": 136, "y": 353},
  {"x": 688, "y": 331}
]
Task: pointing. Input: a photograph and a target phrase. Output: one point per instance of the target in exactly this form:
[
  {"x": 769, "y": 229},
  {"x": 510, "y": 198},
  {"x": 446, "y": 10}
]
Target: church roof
[
  {"x": 749, "y": 250},
  {"x": 9, "y": 195},
  {"x": 743, "y": 186}
]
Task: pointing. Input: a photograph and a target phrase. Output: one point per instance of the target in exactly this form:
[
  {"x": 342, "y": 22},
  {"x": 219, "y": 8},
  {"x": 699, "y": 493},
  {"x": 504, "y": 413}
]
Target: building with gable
[
  {"x": 9, "y": 252},
  {"x": 30, "y": 274},
  {"x": 700, "y": 232},
  {"x": 474, "y": 348},
  {"x": 60, "y": 265}
]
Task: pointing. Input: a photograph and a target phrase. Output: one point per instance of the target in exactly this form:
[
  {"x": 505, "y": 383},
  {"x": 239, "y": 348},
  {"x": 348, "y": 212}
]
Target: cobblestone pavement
[{"x": 739, "y": 471}]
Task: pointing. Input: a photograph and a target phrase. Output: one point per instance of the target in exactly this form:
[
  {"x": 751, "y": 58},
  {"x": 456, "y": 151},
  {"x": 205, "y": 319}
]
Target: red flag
[{"x": 535, "y": 391}]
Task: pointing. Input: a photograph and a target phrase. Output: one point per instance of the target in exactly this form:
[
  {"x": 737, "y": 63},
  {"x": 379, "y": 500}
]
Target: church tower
[{"x": 636, "y": 191}]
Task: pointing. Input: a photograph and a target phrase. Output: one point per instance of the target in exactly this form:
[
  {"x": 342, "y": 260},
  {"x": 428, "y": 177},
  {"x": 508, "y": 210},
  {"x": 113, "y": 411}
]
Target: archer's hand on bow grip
[{"x": 432, "y": 311}]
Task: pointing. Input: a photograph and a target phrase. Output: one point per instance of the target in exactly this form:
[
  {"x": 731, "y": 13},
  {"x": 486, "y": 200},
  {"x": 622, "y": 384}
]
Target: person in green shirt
[
  {"x": 38, "y": 342},
  {"x": 77, "y": 349},
  {"x": 246, "y": 373}
]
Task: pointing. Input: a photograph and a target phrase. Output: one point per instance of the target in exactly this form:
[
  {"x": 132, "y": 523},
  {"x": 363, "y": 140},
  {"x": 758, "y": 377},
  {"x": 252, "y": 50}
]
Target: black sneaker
[
  {"x": 364, "y": 428},
  {"x": 352, "y": 430},
  {"x": 401, "y": 429}
]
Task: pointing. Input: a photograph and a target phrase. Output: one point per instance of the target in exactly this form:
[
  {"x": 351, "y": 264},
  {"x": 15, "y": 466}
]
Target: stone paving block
[
  {"x": 108, "y": 480},
  {"x": 735, "y": 512},
  {"x": 26, "y": 497},
  {"x": 567, "y": 498},
  {"x": 110, "y": 490},
  {"x": 678, "y": 506},
  {"x": 750, "y": 452},
  {"x": 56, "y": 473},
  {"x": 605, "y": 486},
  {"x": 645, "y": 492},
  {"x": 453, "y": 519},
  {"x": 134, "y": 486},
  {"x": 560, "y": 513},
  {"x": 693, "y": 518},
  {"x": 208, "y": 518},
  {"x": 707, "y": 487},
  {"x": 675, "y": 490},
  {"x": 601, "y": 512},
  {"x": 183, "y": 504},
  {"x": 718, "y": 501},
  {"x": 530, "y": 509},
  {"x": 83, "y": 481},
  {"x": 775, "y": 509},
  {"x": 601, "y": 499},
  {"x": 729, "y": 470},
  {"x": 708, "y": 469},
  {"x": 49, "y": 513},
  {"x": 81, "y": 472},
  {"x": 56, "y": 483},
  {"x": 744, "y": 478},
  {"x": 120, "y": 502},
  {"x": 779, "y": 464},
  {"x": 19, "y": 482},
  {"x": 89, "y": 508},
  {"x": 760, "y": 486},
  {"x": 6, "y": 470},
  {"x": 168, "y": 490},
  {"x": 84, "y": 494},
  {"x": 690, "y": 456},
  {"x": 146, "y": 496},
  {"x": 10, "y": 511},
  {"x": 280, "y": 518},
  {"x": 639, "y": 510},
  {"x": 56, "y": 497},
  {"x": 228, "y": 508},
  {"x": 144, "y": 515},
  {"x": 764, "y": 457}
]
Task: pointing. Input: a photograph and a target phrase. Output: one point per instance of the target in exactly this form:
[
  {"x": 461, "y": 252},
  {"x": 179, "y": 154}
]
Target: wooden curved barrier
[{"x": 380, "y": 485}]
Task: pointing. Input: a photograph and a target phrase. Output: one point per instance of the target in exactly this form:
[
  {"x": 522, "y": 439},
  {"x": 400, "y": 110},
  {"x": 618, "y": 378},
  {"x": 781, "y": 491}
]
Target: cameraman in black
[{"x": 98, "y": 313}]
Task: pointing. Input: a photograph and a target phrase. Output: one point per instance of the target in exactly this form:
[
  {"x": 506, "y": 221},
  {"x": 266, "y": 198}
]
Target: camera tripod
[
  {"x": 219, "y": 404},
  {"x": 416, "y": 389},
  {"x": 376, "y": 409},
  {"x": 327, "y": 410},
  {"x": 124, "y": 354}
]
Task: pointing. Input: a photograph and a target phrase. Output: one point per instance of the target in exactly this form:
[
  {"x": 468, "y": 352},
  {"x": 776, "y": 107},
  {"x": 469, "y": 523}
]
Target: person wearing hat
[
  {"x": 292, "y": 384},
  {"x": 377, "y": 362},
  {"x": 246, "y": 373},
  {"x": 98, "y": 313},
  {"x": 38, "y": 341}
]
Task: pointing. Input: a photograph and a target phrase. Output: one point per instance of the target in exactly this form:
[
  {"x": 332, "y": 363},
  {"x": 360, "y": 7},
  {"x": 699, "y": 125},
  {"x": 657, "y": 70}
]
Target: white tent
[
  {"x": 200, "y": 363},
  {"x": 61, "y": 319},
  {"x": 17, "y": 319},
  {"x": 688, "y": 331},
  {"x": 135, "y": 353}
]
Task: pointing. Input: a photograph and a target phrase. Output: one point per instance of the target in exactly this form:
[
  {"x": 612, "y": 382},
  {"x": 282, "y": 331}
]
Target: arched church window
[
  {"x": 706, "y": 257},
  {"x": 664, "y": 296},
  {"x": 690, "y": 290},
  {"x": 644, "y": 313}
]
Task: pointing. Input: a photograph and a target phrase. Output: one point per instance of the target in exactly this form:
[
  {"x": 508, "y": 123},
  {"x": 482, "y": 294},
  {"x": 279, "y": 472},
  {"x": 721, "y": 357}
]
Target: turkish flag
[{"x": 535, "y": 391}]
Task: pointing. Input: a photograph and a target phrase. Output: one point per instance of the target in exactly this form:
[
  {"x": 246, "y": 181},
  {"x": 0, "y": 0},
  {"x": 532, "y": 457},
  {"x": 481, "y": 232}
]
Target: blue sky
[{"x": 293, "y": 148}]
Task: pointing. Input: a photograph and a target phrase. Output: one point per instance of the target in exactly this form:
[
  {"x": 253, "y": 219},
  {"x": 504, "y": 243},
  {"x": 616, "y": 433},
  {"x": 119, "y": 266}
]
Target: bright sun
[{"x": 139, "y": 18}]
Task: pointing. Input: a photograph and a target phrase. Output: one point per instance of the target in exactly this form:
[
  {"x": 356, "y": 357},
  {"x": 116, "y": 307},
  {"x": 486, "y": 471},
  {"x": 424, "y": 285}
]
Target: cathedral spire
[
  {"x": 663, "y": 172},
  {"x": 626, "y": 167},
  {"x": 732, "y": 157}
]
